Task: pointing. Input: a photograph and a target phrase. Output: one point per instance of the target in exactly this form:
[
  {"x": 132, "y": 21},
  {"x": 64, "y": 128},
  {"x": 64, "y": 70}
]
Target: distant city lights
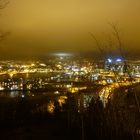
[{"x": 109, "y": 60}]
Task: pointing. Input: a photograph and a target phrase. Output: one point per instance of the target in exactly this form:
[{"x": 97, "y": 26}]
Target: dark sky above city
[{"x": 39, "y": 27}]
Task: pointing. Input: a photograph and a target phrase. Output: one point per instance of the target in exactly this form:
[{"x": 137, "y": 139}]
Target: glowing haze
[{"x": 38, "y": 27}]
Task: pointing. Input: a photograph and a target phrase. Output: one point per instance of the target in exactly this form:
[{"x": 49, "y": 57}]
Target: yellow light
[
  {"x": 50, "y": 107},
  {"x": 11, "y": 75}
]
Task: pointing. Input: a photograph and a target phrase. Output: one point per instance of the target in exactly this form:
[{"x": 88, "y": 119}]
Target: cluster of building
[{"x": 63, "y": 72}]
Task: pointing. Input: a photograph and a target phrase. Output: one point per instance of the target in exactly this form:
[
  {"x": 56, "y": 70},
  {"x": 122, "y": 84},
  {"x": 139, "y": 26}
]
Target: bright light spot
[
  {"x": 118, "y": 60},
  {"x": 62, "y": 54},
  {"x": 42, "y": 64},
  {"x": 22, "y": 95},
  {"x": 109, "y": 60},
  {"x": 50, "y": 107},
  {"x": 61, "y": 58},
  {"x": 1, "y": 88},
  {"x": 56, "y": 92},
  {"x": 62, "y": 100},
  {"x": 32, "y": 64},
  {"x": 11, "y": 75},
  {"x": 26, "y": 70}
]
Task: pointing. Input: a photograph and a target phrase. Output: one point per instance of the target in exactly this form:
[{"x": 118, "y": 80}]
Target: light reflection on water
[
  {"x": 51, "y": 99},
  {"x": 15, "y": 94}
]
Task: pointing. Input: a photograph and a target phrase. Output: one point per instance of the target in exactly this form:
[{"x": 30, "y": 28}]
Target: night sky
[{"x": 39, "y": 27}]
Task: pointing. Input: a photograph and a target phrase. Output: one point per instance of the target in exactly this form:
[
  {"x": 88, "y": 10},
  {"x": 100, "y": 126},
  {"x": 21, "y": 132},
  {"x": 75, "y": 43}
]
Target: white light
[
  {"x": 42, "y": 64},
  {"x": 1, "y": 88},
  {"x": 56, "y": 92},
  {"x": 62, "y": 54},
  {"x": 109, "y": 60},
  {"x": 61, "y": 57},
  {"x": 22, "y": 96},
  {"x": 118, "y": 60}
]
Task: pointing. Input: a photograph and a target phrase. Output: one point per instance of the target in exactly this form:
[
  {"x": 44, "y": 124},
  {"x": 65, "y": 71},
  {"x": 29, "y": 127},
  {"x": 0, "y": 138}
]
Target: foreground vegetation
[{"x": 27, "y": 118}]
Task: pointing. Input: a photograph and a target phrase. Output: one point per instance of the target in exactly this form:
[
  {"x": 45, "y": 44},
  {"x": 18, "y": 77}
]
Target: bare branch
[
  {"x": 117, "y": 35},
  {"x": 109, "y": 45},
  {"x": 98, "y": 44}
]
